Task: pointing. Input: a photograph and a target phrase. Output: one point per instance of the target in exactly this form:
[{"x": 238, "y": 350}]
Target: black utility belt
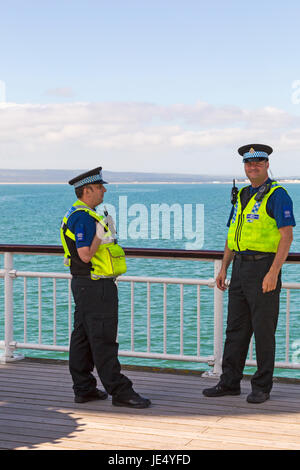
[
  {"x": 245, "y": 257},
  {"x": 88, "y": 276}
]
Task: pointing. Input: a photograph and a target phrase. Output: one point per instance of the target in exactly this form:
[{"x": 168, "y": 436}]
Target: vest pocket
[
  {"x": 109, "y": 261},
  {"x": 117, "y": 259}
]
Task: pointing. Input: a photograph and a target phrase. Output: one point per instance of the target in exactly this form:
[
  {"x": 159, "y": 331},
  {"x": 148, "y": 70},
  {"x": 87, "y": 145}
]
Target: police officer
[
  {"x": 95, "y": 260},
  {"x": 259, "y": 237}
]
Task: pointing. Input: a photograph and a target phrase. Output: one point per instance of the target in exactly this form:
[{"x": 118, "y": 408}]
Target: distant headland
[{"x": 12, "y": 176}]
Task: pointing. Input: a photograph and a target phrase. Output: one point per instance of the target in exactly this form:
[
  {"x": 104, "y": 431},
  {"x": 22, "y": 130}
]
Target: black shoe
[
  {"x": 220, "y": 391},
  {"x": 258, "y": 397},
  {"x": 96, "y": 395},
  {"x": 134, "y": 400}
]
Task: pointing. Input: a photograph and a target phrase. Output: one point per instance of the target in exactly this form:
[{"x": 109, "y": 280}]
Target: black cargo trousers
[
  {"x": 250, "y": 311},
  {"x": 93, "y": 340}
]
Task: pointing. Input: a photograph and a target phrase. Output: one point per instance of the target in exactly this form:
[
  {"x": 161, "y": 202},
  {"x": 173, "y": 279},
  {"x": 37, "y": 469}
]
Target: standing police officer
[
  {"x": 95, "y": 260},
  {"x": 259, "y": 237}
]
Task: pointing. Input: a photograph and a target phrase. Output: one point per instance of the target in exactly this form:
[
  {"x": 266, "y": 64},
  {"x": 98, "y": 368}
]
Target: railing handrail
[
  {"x": 134, "y": 252},
  {"x": 129, "y": 251}
]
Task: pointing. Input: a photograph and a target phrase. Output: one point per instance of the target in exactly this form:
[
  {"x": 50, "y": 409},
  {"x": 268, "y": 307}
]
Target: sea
[{"x": 181, "y": 216}]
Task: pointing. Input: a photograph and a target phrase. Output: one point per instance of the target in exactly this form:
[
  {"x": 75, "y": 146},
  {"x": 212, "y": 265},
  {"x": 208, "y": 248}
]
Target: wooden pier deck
[{"x": 37, "y": 411}]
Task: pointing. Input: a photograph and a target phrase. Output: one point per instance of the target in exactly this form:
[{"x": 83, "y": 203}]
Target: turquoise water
[{"x": 31, "y": 214}]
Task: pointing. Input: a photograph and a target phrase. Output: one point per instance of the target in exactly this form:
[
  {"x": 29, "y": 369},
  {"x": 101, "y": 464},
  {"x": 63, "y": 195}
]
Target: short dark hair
[{"x": 79, "y": 191}]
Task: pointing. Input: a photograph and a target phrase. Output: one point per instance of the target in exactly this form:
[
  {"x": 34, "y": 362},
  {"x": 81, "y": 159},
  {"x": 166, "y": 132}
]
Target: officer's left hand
[
  {"x": 269, "y": 282},
  {"x": 100, "y": 233}
]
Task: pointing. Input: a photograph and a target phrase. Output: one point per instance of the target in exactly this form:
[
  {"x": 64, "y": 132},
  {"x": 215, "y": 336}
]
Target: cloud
[{"x": 139, "y": 136}]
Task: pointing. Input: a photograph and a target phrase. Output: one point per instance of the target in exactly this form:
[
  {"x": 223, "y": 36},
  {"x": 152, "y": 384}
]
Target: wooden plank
[
  {"x": 114, "y": 438},
  {"x": 272, "y": 428},
  {"x": 245, "y": 439},
  {"x": 164, "y": 387},
  {"x": 154, "y": 382},
  {"x": 62, "y": 369},
  {"x": 222, "y": 408}
]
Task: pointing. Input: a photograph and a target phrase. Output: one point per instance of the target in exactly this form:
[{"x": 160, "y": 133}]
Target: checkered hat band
[
  {"x": 258, "y": 154},
  {"x": 87, "y": 180}
]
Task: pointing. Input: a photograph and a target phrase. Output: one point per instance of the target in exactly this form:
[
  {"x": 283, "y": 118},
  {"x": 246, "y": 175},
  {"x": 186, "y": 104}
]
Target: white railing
[{"x": 10, "y": 345}]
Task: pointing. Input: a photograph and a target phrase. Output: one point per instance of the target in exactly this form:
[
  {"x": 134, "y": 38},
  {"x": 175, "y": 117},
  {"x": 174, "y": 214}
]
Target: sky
[{"x": 164, "y": 86}]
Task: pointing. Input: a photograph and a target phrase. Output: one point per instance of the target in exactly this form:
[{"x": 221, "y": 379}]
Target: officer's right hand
[{"x": 220, "y": 280}]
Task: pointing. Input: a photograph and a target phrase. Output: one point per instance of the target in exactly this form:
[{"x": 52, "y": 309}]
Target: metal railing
[{"x": 10, "y": 345}]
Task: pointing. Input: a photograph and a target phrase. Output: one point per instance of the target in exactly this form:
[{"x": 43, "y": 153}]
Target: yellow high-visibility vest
[
  {"x": 253, "y": 228},
  {"x": 109, "y": 259}
]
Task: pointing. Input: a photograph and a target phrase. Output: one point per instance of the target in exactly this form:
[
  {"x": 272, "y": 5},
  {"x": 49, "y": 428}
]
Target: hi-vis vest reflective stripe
[
  {"x": 109, "y": 260},
  {"x": 252, "y": 228}
]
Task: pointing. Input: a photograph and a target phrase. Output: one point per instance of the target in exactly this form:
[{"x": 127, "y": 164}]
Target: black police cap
[
  {"x": 89, "y": 177},
  {"x": 254, "y": 151}
]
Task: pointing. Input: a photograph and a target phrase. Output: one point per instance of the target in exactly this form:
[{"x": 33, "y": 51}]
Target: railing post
[
  {"x": 218, "y": 327},
  {"x": 218, "y": 322},
  {"x": 8, "y": 355}
]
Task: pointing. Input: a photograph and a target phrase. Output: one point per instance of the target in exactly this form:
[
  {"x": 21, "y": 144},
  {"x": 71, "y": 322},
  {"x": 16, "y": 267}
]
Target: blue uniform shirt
[
  {"x": 279, "y": 206},
  {"x": 83, "y": 226}
]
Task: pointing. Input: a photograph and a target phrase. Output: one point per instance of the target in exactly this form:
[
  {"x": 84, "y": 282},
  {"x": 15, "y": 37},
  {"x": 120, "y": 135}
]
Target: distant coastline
[
  {"x": 10, "y": 176},
  {"x": 285, "y": 181}
]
